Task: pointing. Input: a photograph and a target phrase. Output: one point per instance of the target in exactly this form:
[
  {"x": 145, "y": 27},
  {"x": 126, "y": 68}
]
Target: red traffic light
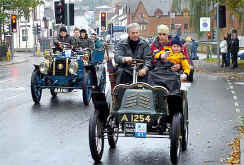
[
  {"x": 13, "y": 23},
  {"x": 209, "y": 35}
]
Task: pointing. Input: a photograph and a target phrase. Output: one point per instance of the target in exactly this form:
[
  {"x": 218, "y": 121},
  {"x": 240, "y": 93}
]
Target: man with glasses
[{"x": 133, "y": 47}]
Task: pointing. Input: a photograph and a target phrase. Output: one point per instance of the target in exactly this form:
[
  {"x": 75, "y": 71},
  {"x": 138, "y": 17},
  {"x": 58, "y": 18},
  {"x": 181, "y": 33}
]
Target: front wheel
[
  {"x": 96, "y": 136},
  {"x": 87, "y": 88},
  {"x": 36, "y": 91},
  {"x": 176, "y": 138}
]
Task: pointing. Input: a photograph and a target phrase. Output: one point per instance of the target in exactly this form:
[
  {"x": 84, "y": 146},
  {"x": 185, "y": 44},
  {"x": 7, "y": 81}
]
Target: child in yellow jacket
[{"x": 175, "y": 56}]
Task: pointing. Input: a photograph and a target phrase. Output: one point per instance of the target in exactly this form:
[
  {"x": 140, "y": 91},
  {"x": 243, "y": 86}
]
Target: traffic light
[
  {"x": 209, "y": 35},
  {"x": 13, "y": 23},
  {"x": 38, "y": 29},
  {"x": 214, "y": 34},
  {"x": 103, "y": 19},
  {"x": 59, "y": 12},
  {"x": 222, "y": 16}
]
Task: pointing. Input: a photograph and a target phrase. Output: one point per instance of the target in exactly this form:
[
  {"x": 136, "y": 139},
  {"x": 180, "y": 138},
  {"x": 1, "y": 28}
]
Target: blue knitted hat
[{"x": 176, "y": 40}]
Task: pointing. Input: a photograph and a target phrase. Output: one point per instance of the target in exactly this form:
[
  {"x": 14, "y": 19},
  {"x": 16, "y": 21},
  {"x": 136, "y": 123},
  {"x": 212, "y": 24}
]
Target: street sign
[{"x": 205, "y": 24}]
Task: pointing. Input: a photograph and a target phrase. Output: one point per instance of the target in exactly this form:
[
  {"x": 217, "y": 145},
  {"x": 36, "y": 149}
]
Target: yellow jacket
[
  {"x": 176, "y": 58},
  {"x": 179, "y": 58}
]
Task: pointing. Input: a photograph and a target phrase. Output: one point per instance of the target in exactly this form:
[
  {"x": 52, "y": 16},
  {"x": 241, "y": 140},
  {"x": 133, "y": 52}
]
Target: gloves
[{"x": 183, "y": 76}]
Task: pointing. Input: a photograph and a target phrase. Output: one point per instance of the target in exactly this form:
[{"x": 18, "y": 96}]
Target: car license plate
[{"x": 141, "y": 130}]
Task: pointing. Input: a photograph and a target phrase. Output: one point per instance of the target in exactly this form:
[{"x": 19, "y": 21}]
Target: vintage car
[
  {"x": 64, "y": 71},
  {"x": 140, "y": 110}
]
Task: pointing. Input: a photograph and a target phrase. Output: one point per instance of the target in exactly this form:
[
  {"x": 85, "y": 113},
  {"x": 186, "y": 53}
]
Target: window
[
  {"x": 145, "y": 27},
  {"x": 185, "y": 26},
  {"x": 24, "y": 35},
  {"x": 142, "y": 15}
]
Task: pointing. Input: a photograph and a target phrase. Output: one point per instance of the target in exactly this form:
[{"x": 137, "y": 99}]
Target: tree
[{"x": 20, "y": 7}]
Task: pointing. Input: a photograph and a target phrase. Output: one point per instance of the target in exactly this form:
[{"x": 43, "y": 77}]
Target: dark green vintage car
[{"x": 139, "y": 110}]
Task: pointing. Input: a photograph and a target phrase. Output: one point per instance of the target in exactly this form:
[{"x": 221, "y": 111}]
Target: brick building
[{"x": 150, "y": 14}]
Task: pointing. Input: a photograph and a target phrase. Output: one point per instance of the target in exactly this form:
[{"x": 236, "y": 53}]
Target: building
[{"x": 151, "y": 13}]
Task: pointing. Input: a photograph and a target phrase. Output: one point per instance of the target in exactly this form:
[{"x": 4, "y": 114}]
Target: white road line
[
  {"x": 231, "y": 87},
  {"x": 235, "y": 97},
  {"x": 238, "y": 110},
  {"x": 236, "y": 104},
  {"x": 233, "y": 92}
]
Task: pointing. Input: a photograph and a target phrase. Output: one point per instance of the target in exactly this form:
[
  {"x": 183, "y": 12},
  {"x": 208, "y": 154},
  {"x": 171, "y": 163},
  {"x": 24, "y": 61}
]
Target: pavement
[{"x": 19, "y": 57}]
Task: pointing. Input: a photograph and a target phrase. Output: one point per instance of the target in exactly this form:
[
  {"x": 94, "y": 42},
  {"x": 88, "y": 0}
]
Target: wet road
[{"x": 56, "y": 131}]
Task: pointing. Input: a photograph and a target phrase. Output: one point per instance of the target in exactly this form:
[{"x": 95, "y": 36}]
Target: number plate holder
[{"x": 140, "y": 130}]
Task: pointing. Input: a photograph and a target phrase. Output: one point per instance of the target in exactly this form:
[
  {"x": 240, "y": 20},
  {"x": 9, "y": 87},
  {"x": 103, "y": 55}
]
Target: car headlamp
[
  {"x": 44, "y": 67},
  {"x": 73, "y": 67}
]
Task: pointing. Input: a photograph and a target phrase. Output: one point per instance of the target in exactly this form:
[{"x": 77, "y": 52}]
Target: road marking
[
  {"x": 233, "y": 92},
  {"x": 236, "y": 104},
  {"x": 238, "y": 110},
  {"x": 231, "y": 87},
  {"x": 235, "y": 97}
]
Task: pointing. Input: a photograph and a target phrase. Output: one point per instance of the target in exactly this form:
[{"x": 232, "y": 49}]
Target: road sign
[{"x": 205, "y": 24}]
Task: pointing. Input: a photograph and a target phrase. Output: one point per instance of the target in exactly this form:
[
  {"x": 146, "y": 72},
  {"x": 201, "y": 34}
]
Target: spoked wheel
[
  {"x": 176, "y": 139},
  {"x": 113, "y": 133},
  {"x": 87, "y": 91},
  {"x": 96, "y": 136},
  {"x": 53, "y": 93},
  {"x": 185, "y": 128},
  {"x": 36, "y": 91}
]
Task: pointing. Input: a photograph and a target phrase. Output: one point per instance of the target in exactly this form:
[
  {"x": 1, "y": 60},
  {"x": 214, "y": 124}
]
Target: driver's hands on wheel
[
  {"x": 142, "y": 72},
  {"x": 127, "y": 60},
  {"x": 176, "y": 67}
]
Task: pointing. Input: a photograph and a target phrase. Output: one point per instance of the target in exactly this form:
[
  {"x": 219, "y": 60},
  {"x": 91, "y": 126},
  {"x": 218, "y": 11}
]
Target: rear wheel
[
  {"x": 87, "y": 91},
  {"x": 96, "y": 136},
  {"x": 36, "y": 91},
  {"x": 113, "y": 134},
  {"x": 176, "y": 139}
]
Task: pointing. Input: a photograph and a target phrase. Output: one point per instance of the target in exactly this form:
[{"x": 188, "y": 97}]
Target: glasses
[{"x": 162, "y": 34}]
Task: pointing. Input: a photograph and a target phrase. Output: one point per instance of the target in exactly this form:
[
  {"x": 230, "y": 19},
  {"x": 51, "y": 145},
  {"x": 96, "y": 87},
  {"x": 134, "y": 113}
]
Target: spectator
[
  {"x": 234, "y": 48},
  {"x": 223, "y": 51}
]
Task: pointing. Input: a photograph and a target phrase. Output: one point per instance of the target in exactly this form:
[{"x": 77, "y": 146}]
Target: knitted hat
[
  {"x": 63, "y": 29},
  {"x": 163, "y": 29},
  {"x": 176, "y": 40},
  {"x": 83, "y": 31}
]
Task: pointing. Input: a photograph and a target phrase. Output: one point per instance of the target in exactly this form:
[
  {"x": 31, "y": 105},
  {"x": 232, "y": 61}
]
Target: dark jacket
[
  {"x": 234, "y": 46},
  {"x": 228, "y": 41},
  {"x": 86, "y": 43},
  {"x": 66, "y": 39},
  {"x": 75, "y": 42},
  {"x": 142, "y": 51}
]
